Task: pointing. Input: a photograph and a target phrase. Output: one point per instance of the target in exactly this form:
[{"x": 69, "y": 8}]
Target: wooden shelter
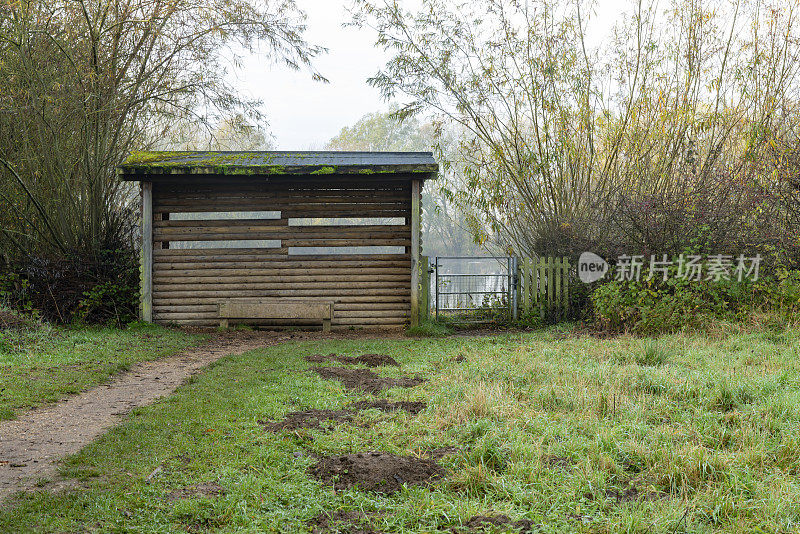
[{"x": 226, "y": 234}]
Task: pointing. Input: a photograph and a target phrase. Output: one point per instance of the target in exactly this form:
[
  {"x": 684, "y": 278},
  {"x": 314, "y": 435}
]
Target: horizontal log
[
  {"x": 294, "y": 197},
  {"x": 172, "y": 257},
  {"x": 214, "y": 323},
  {"x": 267, "y": 268},
  {"x": 185, "y": 292},
  {"x": 210, "y": 271},
  {"x": 281, "y": 206},
  {"x": 183, "y": 234},
  {"x": 350, "y": 302},
  {"x": 320, "y": 187},
  {"x": 221, "y": 223},
  {"x": 340, "y": 309},
  {"x": 264, "y": 232},
  {"x": 347, "y": 279},
  {"x": 277, "y": 225},
  {"x": 225, "y": 284},
  {"x": 361, "y": 211},
  {"x": 298, "y": 198},
  {"x": 202, "y": 254},
  {"x": 355, "y": 241},
  {"x": 352, "y": 314}
]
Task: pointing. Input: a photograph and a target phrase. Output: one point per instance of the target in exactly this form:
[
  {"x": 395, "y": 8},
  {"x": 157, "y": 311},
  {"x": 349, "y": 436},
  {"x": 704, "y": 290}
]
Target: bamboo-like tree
[{"x": 83, "y": 83}]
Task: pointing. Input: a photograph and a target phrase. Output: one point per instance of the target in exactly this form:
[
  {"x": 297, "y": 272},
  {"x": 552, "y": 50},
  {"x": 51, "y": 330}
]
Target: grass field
[
  {"x": 686, "y": 433},
  {"x": 40, "y": 364}
]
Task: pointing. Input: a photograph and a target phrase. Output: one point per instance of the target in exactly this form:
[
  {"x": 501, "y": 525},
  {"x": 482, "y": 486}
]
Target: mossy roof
[{"x": 140, "y": 165}]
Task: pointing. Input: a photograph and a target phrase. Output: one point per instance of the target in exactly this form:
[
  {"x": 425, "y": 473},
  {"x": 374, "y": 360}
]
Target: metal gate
[{"x": 474, "y": 288}]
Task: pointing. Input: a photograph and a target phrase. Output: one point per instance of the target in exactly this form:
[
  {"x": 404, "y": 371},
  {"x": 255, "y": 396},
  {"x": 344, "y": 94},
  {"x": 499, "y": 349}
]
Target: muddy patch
[
  {"x": 412, "y": 407},
  {"x": 309, "y": 419},
  {"x": 483, "y": 523},
  {"x": 208, "y": 490},
  {"x": 352, "y": 522},
  {"x": 370, "y": 360},
  {"x": 365, "y": 380},
  {"x": 380, "y": 472}
]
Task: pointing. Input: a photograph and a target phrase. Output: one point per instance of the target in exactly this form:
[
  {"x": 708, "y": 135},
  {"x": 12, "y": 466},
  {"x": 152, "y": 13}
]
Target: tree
[
  {"x": 445, "y": 230},
  {"x": 84, "y": 83},
  {"x": 652, "y": 141},
  {"x": 233, "y": 133}
]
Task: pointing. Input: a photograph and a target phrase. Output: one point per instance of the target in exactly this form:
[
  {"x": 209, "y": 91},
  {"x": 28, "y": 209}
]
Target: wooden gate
[{"x": 543, "y": 286}]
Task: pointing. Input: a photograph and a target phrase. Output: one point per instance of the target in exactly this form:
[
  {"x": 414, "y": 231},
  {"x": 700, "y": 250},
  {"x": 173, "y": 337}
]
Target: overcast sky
[{"x": 304, "y": 114}]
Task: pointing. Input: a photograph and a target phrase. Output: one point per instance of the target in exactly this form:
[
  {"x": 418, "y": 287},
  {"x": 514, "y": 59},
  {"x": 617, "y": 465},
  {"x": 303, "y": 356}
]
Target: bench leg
[
  {"x": 223, "y": 323},
  {"x": 326, "y": 325}
]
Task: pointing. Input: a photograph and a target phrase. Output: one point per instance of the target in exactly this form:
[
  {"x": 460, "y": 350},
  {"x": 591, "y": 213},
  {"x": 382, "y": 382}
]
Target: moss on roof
[{"x": 272, "y": 163}]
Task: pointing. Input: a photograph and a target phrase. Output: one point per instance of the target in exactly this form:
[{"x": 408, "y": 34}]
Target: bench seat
[{"x": 276, "y": 308}]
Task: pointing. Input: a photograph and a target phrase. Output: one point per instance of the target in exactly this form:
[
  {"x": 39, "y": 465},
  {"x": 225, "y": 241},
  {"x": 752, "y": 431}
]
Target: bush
[
  {"x": 103, "y": 289},
  {"x": 652, "y": 307}
]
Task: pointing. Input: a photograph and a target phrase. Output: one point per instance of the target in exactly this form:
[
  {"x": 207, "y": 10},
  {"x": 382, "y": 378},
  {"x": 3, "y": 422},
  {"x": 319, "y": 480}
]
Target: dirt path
[{"x": 32, "y": 445}]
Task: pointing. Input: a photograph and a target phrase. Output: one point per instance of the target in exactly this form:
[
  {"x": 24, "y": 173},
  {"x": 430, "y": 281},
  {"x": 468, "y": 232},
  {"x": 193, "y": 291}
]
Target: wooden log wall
[{"x": 369, "y": 290}]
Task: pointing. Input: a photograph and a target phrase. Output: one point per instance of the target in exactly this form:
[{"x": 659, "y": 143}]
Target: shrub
[
  {"x": 101, "y": 289},
  {"x": 652, "y": 307}
]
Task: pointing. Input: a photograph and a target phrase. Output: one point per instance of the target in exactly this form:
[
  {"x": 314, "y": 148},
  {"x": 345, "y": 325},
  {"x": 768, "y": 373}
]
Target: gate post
[
  {"x": 436, "y": 284},
  {"x": 425, "y": 290},
  {"x": 514, "y": 287}
]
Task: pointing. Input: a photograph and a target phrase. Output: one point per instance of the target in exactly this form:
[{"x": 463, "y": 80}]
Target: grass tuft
[{"x": 652, "y": 355}]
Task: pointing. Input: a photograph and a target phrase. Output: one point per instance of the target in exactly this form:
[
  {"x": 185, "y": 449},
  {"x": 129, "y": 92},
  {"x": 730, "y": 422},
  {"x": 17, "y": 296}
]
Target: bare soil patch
[
  {"x": 482, "y": 523},
  {"x": 380, "y": 472},
  {"x": 351, "y": 522},
  {"x": 209, "y": 490},
  {"x": 412, "y": 407},
  {"x": 365, "y": 380},
  {"x": 323, "y": 419},
  {"x": 370, "y": 360}
]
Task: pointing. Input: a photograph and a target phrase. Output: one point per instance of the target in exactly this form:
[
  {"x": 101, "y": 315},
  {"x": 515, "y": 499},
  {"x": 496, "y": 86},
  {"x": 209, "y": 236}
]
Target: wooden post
[
  {"x": 558, "y": 277},
  {"x": 526, "y": 285},
  {"x": 542, "y": 287},
  {"x": 425, "y": 289},
  {"x": 147, "y": 253},
  {"x": 515, "y": 288},
  {"x": 415, "y": 227},
  {"x": 566, "y": 287}
]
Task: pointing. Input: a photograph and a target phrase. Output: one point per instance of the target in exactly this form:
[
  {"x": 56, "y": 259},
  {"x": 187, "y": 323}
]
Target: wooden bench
[{"x": 276, "y": 308}]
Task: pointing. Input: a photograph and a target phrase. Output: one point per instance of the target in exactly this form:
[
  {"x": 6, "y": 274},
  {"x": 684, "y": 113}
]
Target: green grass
[
  {"x": 43, "y": 363},
  {"x": 552, "y": 429},
  {"x": 429, "y": 329}
]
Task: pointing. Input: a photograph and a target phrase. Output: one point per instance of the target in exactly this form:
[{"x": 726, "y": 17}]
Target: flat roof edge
[{"x": 134, "y": 172}]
